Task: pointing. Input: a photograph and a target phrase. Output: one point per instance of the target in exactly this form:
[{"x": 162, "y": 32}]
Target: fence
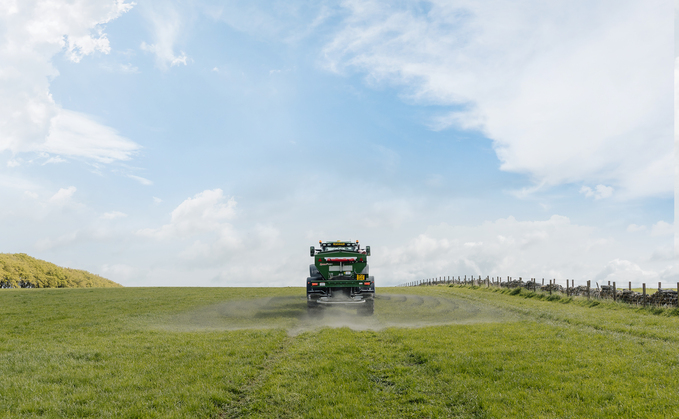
[{"x": 661, "y": 298}]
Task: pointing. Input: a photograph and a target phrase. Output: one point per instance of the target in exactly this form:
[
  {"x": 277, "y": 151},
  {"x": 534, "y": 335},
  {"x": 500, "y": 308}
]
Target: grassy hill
[
  {"x": 428, "y": 352},
  {"x": 18, "y": 270}
]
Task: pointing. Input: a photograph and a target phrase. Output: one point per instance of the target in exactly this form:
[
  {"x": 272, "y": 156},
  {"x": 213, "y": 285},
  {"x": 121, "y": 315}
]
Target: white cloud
[
  {"x": 599, "y": 191},
  {"x": 552, "y": 248},
  {"x": 13, "y": 163},
  {"x": 386, "y": 214},
  {"x": 63, "y": 196},
  {"x": 63, "y": 240},
  {"x": 141, "y": 180},
  {"x": 119, "y": 272},
  {"x": 167, "y": 23},
  {"x": 32, "y": 35},
  {"x": 157, "y": 200},
  {"x": 623, "y": 271},
  {"x": 280, "y": 19},
  {"x": 219, "y": 251},
  {"x": 207, "y": 211},
  {"x": 121, "y": 68},
  {"x": 569, "y": 91},
  {"x": 75, "y": 134},
  {"x": 662, "y": 228},
  {"x": 164, "y": 55},
  {"x": 633, "y": 228},
  {"x": 55, "y": 159},
  {"x": 112, "y": 215}
]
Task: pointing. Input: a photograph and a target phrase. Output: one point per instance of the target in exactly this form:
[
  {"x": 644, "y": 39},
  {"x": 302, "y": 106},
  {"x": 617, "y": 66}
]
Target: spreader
[{"x": 340, "y": 275}]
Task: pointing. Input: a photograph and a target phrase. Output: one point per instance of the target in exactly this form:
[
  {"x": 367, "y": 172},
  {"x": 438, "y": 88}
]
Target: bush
[{"x": 18, "y": 270}]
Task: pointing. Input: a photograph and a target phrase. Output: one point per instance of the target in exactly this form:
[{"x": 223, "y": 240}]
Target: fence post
[
  {"x": 630, "y": 285},
  {"x": 543, "y": 282},
  {"x": 644, "y": 293},
  {"x": 588, "y": 287},
  {"x": 614, "y": 292},
  {"x": 659, "y": 286}
]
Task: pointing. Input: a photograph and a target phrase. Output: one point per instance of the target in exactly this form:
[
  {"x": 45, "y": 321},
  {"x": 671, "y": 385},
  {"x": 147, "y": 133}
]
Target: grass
[{"x": 248, "y": 352}]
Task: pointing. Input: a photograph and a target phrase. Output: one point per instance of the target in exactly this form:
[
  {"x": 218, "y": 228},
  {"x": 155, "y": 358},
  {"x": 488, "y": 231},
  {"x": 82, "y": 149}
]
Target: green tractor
[{"x": 339, "y": 275}]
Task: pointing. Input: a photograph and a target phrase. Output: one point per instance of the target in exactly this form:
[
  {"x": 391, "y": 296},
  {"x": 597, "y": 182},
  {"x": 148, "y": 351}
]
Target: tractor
[{"x": 339, "y": 276}]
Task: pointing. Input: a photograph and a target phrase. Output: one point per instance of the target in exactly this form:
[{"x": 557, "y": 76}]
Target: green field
[{"x": 253, "y": 352}]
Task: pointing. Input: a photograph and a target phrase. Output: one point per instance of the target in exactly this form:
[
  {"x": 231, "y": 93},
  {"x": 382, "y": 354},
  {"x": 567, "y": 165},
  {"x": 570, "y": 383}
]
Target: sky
[{"x": 210, "y": 143}]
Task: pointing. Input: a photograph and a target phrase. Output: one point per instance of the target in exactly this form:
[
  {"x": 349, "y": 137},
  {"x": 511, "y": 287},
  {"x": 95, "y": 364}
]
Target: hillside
[{"x": 18, "y": 270}]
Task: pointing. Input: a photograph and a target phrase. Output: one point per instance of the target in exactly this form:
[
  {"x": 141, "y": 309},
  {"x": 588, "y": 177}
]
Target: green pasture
[{"x": 440, "y": 351}]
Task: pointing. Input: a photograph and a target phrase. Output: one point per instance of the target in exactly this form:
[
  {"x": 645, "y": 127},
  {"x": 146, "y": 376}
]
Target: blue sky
[{"x": 209, "y": 144}]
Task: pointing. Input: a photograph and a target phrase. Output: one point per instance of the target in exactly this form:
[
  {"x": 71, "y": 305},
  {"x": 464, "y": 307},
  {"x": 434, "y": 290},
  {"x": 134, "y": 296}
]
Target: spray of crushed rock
[{"x": 290, "y": 313}]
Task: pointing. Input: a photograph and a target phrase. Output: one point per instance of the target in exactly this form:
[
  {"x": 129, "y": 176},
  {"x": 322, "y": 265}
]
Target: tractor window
[{"x": 330, "y": 248}]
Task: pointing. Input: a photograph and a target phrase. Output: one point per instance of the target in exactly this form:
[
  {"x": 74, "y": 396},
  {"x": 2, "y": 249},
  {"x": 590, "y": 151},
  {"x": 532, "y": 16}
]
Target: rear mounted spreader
[{"x": 340, "y": 275}]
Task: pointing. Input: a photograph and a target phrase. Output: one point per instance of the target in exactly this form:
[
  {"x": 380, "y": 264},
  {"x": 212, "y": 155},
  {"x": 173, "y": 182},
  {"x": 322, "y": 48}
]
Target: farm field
[{"x": 252, "y": 352}]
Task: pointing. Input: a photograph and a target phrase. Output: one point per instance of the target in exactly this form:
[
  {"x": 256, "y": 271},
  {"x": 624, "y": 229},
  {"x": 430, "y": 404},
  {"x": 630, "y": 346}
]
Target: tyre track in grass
[
  {"x": 245, "y": 396},
  {"x": 321, "y": 374}
]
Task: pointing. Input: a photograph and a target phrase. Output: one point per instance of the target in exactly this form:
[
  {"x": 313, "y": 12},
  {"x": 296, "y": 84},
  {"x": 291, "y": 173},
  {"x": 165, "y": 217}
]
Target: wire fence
[{"x": 662, "y": 297}]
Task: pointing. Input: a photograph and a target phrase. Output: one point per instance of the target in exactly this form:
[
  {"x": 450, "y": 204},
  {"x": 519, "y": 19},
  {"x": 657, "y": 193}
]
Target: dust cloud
[{"x": 290, "y": 313}]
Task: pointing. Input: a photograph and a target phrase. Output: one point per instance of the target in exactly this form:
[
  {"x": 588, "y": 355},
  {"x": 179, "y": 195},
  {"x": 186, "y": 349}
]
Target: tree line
[{"x": 18, "y": 270}]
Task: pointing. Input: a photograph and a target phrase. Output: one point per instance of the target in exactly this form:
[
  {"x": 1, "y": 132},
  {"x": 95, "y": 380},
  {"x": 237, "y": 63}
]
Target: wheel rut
[{"x": 239, "y": 407}]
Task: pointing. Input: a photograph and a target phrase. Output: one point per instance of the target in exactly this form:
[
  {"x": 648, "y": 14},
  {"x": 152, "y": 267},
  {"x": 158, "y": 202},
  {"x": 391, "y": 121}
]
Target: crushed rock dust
[{"x": 290, "y": 313}]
